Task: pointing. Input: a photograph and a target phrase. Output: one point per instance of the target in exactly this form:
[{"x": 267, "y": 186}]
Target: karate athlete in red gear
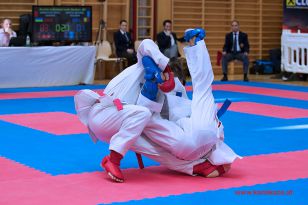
[
  {"x": 110, "y": 121},
  {"x": 117, "y": 124}
]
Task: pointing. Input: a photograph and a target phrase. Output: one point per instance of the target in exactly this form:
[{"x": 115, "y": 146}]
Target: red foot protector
[
  {"x": 58, "y": 123},
  {"x": 206, "y": 168},
  {"x": 91, "y": 188},
  {"x": 113, "y": 170}
]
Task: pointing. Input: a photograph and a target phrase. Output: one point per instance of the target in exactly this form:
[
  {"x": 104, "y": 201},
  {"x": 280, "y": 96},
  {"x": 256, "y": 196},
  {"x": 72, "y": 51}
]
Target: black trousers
[
  {"x": 235, "y": 56},
  {"x": 131, "y": 57}
]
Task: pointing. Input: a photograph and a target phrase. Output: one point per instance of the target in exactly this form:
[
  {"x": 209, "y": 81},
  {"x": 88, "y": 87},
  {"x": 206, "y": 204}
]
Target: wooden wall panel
[
  {"x": 45, "y": 2},
  {"x": 116, "y": 10},
  {"x": 145, "y": 21},
  {"x": 217, "y": 16},
  {"x": 248, "y": 14},
  {"x": 163, "y": 12},
  {"x": 186, "y": 14},
  {"x": 261, "y": 19},
  {"x": 14, "y": 8}
]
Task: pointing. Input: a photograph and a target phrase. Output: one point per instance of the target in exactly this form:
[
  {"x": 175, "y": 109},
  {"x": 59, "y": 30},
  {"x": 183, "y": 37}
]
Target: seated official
[
  {"x": 6, "y": 32},
  {"x": 167, "y": 41},
  {"x": 236, "y": 47},
  {"x": 124, "y": 44}
]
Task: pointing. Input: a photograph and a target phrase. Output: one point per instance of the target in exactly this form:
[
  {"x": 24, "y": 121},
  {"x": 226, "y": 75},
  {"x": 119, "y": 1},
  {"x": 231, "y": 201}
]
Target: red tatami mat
[
  {"x": 94, "y": 188},
  {"x": 45, "y": 94},
  {"x": 263, "y": 91},
  {"x": 269, "y": 110},
  {"x": 58, "y": 123},
  {"x": 259, "y": 91},
  {"x": 10, "y": 170}
]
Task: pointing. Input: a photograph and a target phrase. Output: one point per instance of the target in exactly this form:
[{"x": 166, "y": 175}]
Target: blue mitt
[
  {"x": 199, "y": 33},
  {"x": 152, "y": 77}
]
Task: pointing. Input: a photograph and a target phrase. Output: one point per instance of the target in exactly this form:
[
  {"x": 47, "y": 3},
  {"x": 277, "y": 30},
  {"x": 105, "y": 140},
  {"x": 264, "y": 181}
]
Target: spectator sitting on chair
[
  {"x": 166, "y": 41},
  {"x": 124, "y": 44},
  {"x": 236, "y": 48},
  {"x": 6, "y": 32}
]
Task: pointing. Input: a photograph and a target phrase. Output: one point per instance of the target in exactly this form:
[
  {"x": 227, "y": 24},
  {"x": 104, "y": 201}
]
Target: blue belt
[{"x": 223, "y": 108}]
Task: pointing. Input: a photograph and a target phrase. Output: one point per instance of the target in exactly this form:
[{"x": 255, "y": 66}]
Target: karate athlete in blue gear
[
  {"x": 204, "y": 116},
  {"x": 152, "y": 78}
]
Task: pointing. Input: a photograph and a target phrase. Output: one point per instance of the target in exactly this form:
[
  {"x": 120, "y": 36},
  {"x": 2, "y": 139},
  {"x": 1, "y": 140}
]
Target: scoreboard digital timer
[{"x": 62, "y": 23}]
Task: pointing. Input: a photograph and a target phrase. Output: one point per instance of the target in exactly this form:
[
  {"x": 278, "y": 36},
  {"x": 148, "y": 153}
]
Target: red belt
[{"x": 118, "y": 104}]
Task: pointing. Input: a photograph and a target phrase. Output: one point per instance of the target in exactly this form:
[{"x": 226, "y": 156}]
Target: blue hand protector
[
  {"x": 199, "y": 33},
  {"x": 152, "y": 78},
  {"x": 149, "y": 90},
  {"x": 189, "y": 34},
  {"x": 152, "y": 71}
]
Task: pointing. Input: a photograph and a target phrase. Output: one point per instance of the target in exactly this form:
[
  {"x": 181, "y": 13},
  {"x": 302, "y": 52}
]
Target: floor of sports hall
[{"x": 47, "y": 157}]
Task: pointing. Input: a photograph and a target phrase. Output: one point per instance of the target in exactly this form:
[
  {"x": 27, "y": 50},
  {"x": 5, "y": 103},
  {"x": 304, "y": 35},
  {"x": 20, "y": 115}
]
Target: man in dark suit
[
  {"x": 236, "y": 47},
  {"x": 124, "y": 44},
  {"x": 166, "y": 41}
]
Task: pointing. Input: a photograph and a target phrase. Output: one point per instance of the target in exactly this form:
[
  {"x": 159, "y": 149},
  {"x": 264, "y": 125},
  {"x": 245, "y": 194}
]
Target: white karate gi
[
  {"x": 167, "y": 134},
  {"x": 168, "y": 141},
  {"x": 203, "y": 107},
  {"x": 121, "y": 129}
]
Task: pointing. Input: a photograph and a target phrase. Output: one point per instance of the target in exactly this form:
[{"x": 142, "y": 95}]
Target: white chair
[{"x": 103, "y": 53}]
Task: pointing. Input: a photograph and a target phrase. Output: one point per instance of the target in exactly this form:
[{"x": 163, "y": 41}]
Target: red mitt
[{"x": 169, "y": 84}]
